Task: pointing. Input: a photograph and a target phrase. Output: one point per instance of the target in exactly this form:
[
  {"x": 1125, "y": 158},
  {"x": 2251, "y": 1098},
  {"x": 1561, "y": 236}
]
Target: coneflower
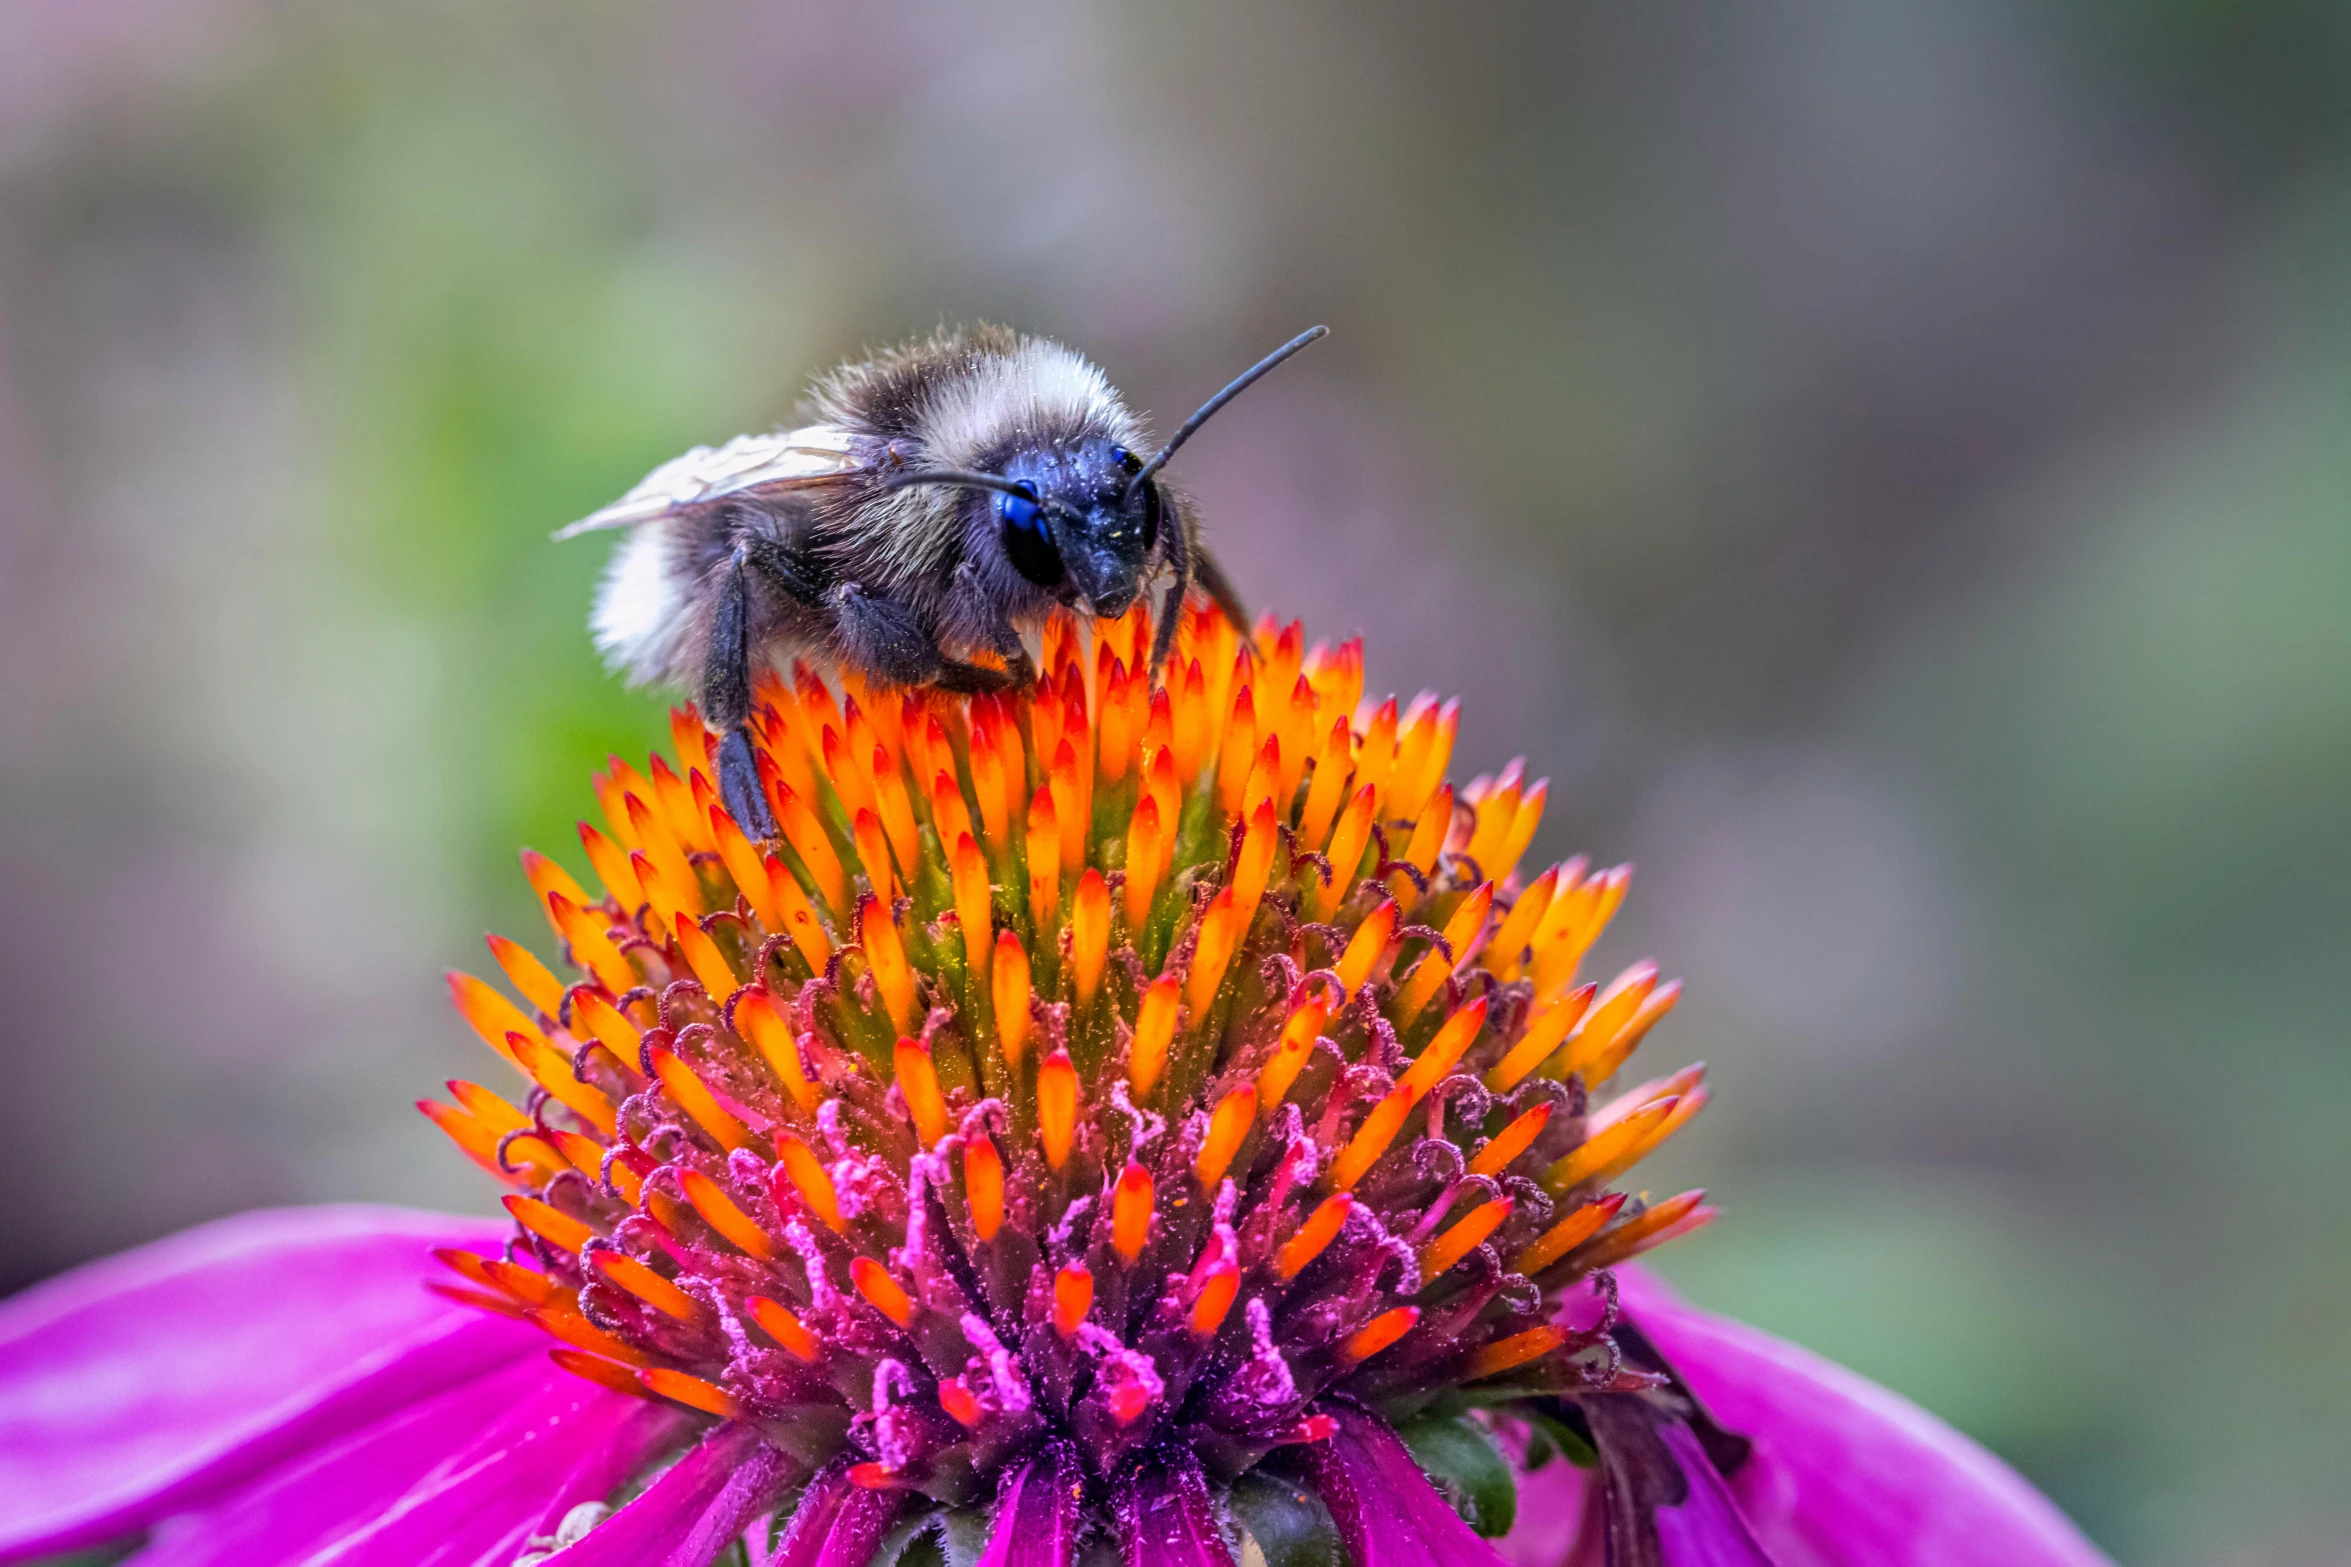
[
  {"x": 1142, "y": 1120},
  {"x": 1097, "y": 1097}
]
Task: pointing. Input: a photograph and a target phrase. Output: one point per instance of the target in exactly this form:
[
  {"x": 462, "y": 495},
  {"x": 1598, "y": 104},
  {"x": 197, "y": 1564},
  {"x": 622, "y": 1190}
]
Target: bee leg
[
  {"x": 726, "y": 703},
  {"x": 1171, "y": 607},
  {"x": 1219, "y": 587},
  {"x": 1021, "y": 668},
  {"x": 781, "y": 570},
  {"x": 1002, "y": 637},
  {"x": 882, "y": 637},
  {"x": 955, "y": 675},
  {"x": 738, "y": 784}
]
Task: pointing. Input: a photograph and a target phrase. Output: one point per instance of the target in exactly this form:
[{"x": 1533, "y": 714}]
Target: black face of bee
[{"x": 1079, "y": 521}]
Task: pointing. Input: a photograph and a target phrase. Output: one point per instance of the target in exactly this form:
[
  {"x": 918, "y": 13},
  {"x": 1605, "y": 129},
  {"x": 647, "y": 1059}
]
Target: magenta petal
[
  {"x": 838, "y": 1522},
  {"x": 339, "y": 1490},
  {"x": 1846, "y": 1474},
  {"x": 1386, "y": 1510},
  {"x": 469, "y": 1476},
  {"x": 1550, "y": 1527},
  {"x": 1167, "y": 1519},
  {"x": 141, "y": 1385},
  {"x": 1706, "y": 1529},
  {"x": 1037, "y": 1512},
  {"x": 699, "y": 1506},
  {"x": 1666, "y": 1505},
  {"x": 484, "y": 1503}
]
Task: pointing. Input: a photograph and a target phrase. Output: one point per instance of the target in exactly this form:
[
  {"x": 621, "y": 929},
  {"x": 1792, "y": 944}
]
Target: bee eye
[
  {"x": 1151, "y": 509},
  {"x": 1126, "y": 459},
  {"x": 1019, "y": 512},
  {"x": 1027, "y": 542}
]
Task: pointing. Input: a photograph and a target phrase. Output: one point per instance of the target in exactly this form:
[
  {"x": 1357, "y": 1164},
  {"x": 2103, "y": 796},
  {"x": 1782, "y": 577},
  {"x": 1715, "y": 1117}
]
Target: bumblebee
[{"x": 939, "y": 500}]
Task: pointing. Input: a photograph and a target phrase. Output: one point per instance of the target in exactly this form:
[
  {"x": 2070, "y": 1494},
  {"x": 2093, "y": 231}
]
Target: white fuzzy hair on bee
[{"x": 936, "y": 502}]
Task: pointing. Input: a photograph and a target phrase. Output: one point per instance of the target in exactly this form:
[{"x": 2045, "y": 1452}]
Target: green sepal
[
  {"x": 1462, "y": 1460},
  {"x": 963, "y": 1534},
  {"x": 1547, "y": 1437},
  {"x": 1288, "y": 1522},
  {"x": 911, "y": 1542}
]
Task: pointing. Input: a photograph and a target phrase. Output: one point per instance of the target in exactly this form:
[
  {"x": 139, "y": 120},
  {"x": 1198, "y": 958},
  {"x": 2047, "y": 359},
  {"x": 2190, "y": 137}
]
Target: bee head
[
  {"x": 1082, "y": 517},
  {"x": 1072, "y": 517}
]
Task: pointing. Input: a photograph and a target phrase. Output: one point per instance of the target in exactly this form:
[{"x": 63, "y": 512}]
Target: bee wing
[{"x": 816, "y": 454}]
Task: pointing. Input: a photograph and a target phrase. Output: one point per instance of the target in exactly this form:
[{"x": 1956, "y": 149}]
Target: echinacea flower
[{"x": 1128, "y": 1121}]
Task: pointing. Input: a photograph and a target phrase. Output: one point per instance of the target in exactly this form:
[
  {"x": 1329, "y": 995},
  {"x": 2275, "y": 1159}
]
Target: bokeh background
[{"x": 1890, "y": 465}]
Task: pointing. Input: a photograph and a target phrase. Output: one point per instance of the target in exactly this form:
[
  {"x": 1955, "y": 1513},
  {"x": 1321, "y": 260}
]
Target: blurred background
[{"x": 1889, "y": 465}]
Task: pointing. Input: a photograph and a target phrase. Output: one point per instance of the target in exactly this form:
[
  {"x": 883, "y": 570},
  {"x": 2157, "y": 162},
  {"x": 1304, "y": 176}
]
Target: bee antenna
[
  {"x": 964, "y": 477},
  {"x": 970, "y": 479},
  {"x": 1246, "y": 379}
]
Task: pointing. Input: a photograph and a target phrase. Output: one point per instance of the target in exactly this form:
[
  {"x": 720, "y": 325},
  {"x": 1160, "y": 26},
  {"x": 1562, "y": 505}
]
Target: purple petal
[
  {"x": 1666, "y": 1506},
  {"x": 469, "y": 1476},
  {"x": 1844, "y": 1472},
  {"x": 142, "y": 1385},
  {"x": 699, "y": 1506},
  {"x": 838, "y": 1523},
  {"x": 1037, "y": 1512},
  {"x": 484, "y": 1503},
  {"x": 1168, "y": 1522},
  {"x": 1386, "y": 1510},
  {"x": 1550, "y": 1530},
  {"x": 1705, "y": 1530}
]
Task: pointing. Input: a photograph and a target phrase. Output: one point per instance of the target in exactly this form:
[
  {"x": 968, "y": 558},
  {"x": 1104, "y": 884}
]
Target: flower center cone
[{"x": 1137, "y": 1071}]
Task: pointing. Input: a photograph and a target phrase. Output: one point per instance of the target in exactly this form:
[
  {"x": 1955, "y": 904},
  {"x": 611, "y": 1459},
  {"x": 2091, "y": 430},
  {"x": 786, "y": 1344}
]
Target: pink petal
[
  {"x": 140, "y": 1386},
  {"x": 837, "y": 1524},
  {"x": 699, "y": 1507},
  {"x": 468, "y": 1476},
  {"x": 1661, "y": 1502},
  {"x": 1550, "y": 1524},
  {"x": 1037, "y": 1513},
  {"x": 1846, "y": 1474},
  {"x": 1705, "y": 1529},
  {"x": 1168, "y": 1520},
  {"x": 1386, "y": 1510}
]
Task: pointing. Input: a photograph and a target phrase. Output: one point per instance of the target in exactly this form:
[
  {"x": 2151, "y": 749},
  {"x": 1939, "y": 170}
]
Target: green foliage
[
  {"x": 913, "y": 1542},
  {"x": 963, "y": 1534},
  {"x": 1461, "y": 1458},
  {"x": 1548, "y": 1439},
  {"x": 1289, "y": 1523}
]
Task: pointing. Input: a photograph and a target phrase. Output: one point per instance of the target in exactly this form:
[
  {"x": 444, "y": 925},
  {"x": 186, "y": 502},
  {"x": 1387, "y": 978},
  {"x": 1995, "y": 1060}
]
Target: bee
[{"x": 939, "y": 499}]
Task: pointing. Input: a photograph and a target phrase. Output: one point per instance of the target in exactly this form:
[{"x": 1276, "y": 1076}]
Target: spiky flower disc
[{"x": 1092, "y": 1096}]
